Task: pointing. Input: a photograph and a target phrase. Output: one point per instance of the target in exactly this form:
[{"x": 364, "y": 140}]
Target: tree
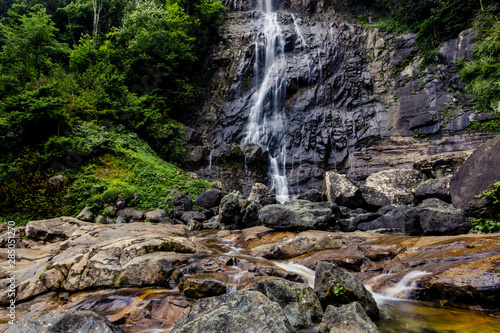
[{"x": 30, "y": 46}]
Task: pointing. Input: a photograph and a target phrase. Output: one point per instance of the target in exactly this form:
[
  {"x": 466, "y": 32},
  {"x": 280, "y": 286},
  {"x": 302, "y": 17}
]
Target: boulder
[
  {"x": 341, "y": 191},
  {"x": 355, "y": 217},
  {"x": 231, "y": 210},
  {"x": 212, "y": 223},
  {"x": 437, "y": 217},
  {"x": 298, "y": 301},
  {"x": 131, "y": 214},
  {"x": 56, "y": 229},
  {"x": 250, "y": 216},
  {"x": 395, "y": 185},
  {"x": 101, "y": 220},
  {"x": 261, "y": 194},
  {"x": 441, "y": 165},
  {"x": 434, "y": 188},
  {"x": 208, "y": 199},
  {"x": 335, "y": 286},
  {"x": 120, "y": 219},
  {"x": 157, "y": 216},
  {"x": 348, "y": 318},
  {"x": 478, "y": 174},
  {"x": 239, "y": 312},
  {"x": 64, "y": 321},
  {"x": 401, "y": 220},
  {"x": 182, "y": 202},
  {"x": 193, "y": 215},
  {"x": 304, "y": 242},
  {"x": 86, "y": 215},
  {"x": 195, "y": 288},
  {"x": 312, "y": 195},
  {"x": 297, "y": 215}
]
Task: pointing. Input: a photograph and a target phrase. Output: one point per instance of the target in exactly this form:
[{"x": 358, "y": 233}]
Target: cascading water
[{"x": 266, "y": 120}]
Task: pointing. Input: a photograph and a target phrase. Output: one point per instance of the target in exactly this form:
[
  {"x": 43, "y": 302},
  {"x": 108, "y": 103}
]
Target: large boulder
[
  {"x": 297, "y": 215},
  {"x": 157, "y": 216},
  {"x": 395, "y": 185},
  {"x": 56, "y": 229},
  {"x": 431, "y": 217},
  {"x": 437, "y": 217},
  {"x": 341, "y": 191},
  {"x": 231, "y": 210},
  {"x": 250, "y": 215},
  {"x": 131, "y": 214},
  {"x": 69, "y": 321},
  {"x": 335, "y": 286},
  {"x": 298, "y": 301},
  {"x": 476, "y": 175},
  {"x": 304, "y": 242},
  {"x": 208, "y": 199},
  {"x": 240, "y": 312},
  {"x": 182, "y": 202},
  {"x": 261, "y": 194},
  {"x": 196, "y": 288},
  {"x": 312, "y": 195},
  {"x": 348, "y": 318},
  {"x": 434, "y": 188},
  {"x": 401, "y": 220}
]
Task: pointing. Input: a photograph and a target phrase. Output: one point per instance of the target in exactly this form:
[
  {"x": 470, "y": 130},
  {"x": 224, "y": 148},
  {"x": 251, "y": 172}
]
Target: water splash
[
  {"x": 266, "y": 119},
  {"x": 306, "y": 273},
  {"x": 401, "y": 290}
]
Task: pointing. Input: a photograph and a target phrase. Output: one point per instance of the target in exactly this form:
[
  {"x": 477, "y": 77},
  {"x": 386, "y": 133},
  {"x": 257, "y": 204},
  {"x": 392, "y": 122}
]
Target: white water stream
[{"x": 266, "y": 120}]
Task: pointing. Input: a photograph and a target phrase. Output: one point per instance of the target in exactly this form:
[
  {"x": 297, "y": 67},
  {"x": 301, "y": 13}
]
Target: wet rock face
[
  {"x": 348, "y": 318},
  {"x": 298, "y": 301},
  {"x": 344, "y": 86},
  {"x": 240, "y": 312},
  {"x": 335, "y": 286},
  {"x": 64, "y": 321},
  {"x": 297, "y": 215},
  {"x": 476, "y": 175}
]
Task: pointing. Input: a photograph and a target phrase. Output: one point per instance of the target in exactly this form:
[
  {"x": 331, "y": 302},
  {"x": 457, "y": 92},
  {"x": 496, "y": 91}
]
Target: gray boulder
[
  {"x": 157, "y": 216},
  {"x": 193, "y": 215},
  {"x": 231, "y": 210},
  {"x": 67, "y": 321},
  {"x": 311, "y": 195},
  {"x": 196, "y": 288},
  {"x": 298, "y": 301},
  {"x": 329, "y": 277},
  {"x": 348, "y": 318},
  {"x": 297, "y": 215},
  {"x": 86, "y": 215},
  {"x": 240, "y": 312},
  {"x": 56, "y": 229},
  {"x": 182, "y": 202},
  {"x": 250, "y": 215},
  {"x": 341, "y": 191},
  {"x": 261, "y": 194},
  {"x": 208, "y": 199},
  {"x": 478, "y": 174},
  {"x": 395, "y": 185},
  {"x": 434, "y": 188},
  {"x": 437, "y": 217},
  {"x": 302, "y": 243},
  {"x": 401, "y": 220},
  {"x": 131, "y": 214}
]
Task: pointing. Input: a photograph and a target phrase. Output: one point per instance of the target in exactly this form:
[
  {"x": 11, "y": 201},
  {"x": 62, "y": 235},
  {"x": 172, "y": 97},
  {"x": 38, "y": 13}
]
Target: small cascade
[
  {"x": 266, "y": 119},
  {"x": 210, "y": 163},
  {"x": 306, "y": 273},
  {"x": 402, "y": 289}
]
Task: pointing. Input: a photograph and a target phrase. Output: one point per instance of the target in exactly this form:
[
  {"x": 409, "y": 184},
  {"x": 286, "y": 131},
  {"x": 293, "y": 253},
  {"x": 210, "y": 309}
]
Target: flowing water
[{"x": 266, "y": 120}]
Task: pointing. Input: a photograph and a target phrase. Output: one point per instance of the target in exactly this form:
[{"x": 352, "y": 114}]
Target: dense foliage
[{"x": 86, "y": 88}]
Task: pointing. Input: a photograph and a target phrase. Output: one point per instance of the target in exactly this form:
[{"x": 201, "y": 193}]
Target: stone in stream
[
  {"x": 196, "y": 288},
  {"x": 239, "y": 312},
  {"x": 297, "y": 215},
  {"x": 298, "y": 301},
  {"x": 68, "y": 321},
  {"x": 348, "y": 318},
  {"x": 335, "y": 286}
]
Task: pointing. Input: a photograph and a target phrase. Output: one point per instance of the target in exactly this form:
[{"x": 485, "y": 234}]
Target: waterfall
[{"x": 267, "y": 114}]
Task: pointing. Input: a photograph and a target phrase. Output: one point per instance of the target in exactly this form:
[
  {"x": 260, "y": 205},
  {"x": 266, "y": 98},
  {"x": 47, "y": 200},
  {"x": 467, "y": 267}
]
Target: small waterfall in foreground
[{"x": 266, "y": 120}]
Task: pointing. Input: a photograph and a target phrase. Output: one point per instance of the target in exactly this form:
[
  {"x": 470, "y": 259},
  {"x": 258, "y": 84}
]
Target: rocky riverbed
[{"x": 148, "y": 276}]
